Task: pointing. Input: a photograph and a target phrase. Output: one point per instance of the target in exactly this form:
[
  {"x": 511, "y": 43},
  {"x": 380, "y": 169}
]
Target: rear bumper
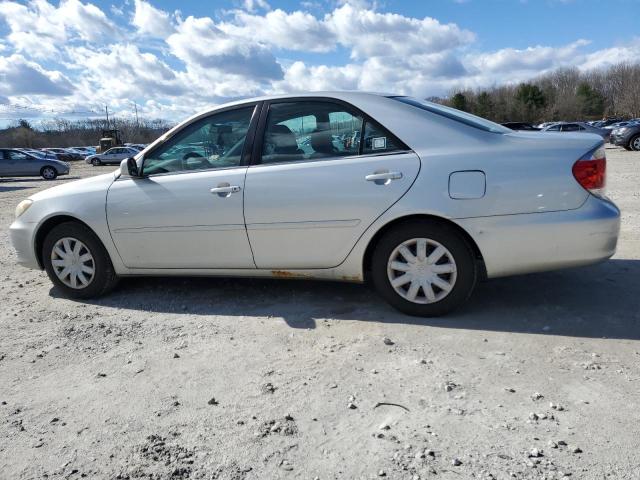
[{"x": 515, "y": 244}]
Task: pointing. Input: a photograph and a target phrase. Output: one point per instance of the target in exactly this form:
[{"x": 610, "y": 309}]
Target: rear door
[{"x": 325, "y": 173}]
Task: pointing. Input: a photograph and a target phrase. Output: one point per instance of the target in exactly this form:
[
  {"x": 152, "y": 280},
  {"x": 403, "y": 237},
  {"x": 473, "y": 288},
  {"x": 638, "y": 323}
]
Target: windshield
[{"x": 453, "y": 114}]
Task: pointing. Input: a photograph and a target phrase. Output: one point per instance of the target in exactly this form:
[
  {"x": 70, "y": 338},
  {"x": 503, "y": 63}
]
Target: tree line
[
  {"x": 60, "y": 132},
  {"x": 564, "y": 94}
]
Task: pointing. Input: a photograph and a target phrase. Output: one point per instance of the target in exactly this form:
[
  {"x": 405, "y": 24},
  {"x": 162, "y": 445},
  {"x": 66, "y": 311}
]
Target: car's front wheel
[
  {"x": 49, "y": 173},
  {"x": 77, "y": 262},
  {"x": 634, "y": 143},
  {"x": 424, "y": 268},
  {"x": 96, "y": 162}
]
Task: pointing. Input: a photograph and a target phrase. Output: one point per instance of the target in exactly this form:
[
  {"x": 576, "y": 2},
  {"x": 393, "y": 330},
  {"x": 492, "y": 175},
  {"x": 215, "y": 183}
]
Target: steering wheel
[{"x": 201, "y": 163}]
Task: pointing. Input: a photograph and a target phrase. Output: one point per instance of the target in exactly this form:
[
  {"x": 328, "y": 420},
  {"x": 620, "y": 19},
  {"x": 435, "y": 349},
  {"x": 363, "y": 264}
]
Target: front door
[
  {"x": 187, "y": 209},
  {"x": 326, "y": 174}
]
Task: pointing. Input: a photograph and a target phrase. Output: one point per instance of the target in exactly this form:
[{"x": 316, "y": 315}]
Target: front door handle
[
  {"x": 224, "y": 189},
  {"x": 383, "y": 178}
]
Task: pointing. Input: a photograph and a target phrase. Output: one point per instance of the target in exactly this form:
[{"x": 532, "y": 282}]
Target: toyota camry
[{"x": 420, "y": 199}]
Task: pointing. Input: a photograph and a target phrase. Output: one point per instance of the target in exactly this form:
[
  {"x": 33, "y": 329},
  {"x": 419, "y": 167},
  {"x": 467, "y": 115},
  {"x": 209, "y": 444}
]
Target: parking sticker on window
[{"x": 379, "y": 143}]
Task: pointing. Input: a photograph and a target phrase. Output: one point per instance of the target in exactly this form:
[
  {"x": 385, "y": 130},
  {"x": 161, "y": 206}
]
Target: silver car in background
[
  {"x": 113, "y": 156},
  {"x": 421, "y": 199},
  {"x": 578, "y": 127},
  {"x": 18, "y": 163}
]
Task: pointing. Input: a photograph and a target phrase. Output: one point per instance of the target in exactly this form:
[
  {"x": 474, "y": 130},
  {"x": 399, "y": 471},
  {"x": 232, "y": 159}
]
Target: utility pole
[
  {"x": 106, "y": 109},
  {"x": 135, "y": 106}
]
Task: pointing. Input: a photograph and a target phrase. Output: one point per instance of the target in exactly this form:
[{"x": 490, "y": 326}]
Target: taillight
[{"x": 590, "y": 172}]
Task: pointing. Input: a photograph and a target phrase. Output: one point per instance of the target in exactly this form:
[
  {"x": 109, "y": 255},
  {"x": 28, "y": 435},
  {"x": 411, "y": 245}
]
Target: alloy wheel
[
  {"x": 422, "y": 270},
  {"x": 73, "y": 263},
  {"x": 48, "y": 173},
  {"x": 635, "y": 144}
]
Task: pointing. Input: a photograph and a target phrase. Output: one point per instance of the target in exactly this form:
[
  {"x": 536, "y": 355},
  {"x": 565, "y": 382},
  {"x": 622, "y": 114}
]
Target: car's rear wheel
[
  {"x": 77, "y": 262},
  {"x": 96, "y": 162},
  {"x": 49, "y": 173},
  {"x": 634, "y": 143},
  {"x": 424, "y": 268}
]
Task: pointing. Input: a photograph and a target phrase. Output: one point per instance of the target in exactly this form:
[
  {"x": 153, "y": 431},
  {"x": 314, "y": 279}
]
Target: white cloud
[
  {"x": 23, "y": 77},
  {"x": 369, "y": 33},
  {"x": 253, "y": 5},
  {"x": 151, "y": 21},
  {"x": 200, "y": 43},
  {"x": 40, "y": 28}
]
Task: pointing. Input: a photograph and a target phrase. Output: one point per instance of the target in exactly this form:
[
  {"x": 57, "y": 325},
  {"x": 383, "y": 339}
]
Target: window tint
[
  {"x": 216, "y": 141},
  {"x": 554, "y": 128},
  {"x": 378, "y": 140},
  {"x": 310, "y": 130},
  {"x": 570, "y": 127}
]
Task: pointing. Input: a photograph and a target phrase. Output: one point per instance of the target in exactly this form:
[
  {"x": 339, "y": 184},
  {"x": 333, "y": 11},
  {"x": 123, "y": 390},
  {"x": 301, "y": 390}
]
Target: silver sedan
[
  {"x": 421, "y": 199},
  {"x": 113, "y": 156},
  {"x": 18, "y": 163}
]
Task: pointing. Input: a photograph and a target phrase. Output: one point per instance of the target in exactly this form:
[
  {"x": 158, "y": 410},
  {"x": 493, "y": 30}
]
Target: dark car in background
[
  {"x": 17, "y": 163},
  {"x": 61, "y": 153},
  {"x": 627, "y": 136},
  {"x": 520, "y": 126}
]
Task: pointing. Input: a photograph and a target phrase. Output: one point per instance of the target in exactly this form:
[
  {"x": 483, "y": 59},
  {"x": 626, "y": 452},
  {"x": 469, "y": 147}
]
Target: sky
[{"x": 169, "y": 58}]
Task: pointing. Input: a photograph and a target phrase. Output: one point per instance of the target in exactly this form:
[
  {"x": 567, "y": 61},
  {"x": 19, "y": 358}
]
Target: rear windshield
[{"x": 453, "y": 114}]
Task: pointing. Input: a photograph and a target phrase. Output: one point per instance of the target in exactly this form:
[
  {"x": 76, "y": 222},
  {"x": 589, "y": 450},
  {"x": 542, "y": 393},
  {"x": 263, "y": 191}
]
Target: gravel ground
[{"x": 536, "y": 377}]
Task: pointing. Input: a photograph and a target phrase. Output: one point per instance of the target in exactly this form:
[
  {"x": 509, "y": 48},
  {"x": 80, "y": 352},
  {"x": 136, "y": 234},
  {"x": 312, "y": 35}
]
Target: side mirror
[{"x": 129, "y": 168}]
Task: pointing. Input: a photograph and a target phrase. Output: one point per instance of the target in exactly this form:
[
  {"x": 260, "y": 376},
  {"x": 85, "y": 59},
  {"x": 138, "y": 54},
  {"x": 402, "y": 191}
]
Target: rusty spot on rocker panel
[
  {"x": 351, "y": 278},
  {"x": 288, "y": 274}
]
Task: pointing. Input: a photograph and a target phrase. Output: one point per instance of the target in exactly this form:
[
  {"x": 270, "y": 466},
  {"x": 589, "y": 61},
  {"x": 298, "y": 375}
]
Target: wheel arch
[
  {"x": 48, "y": 225},
  {"x": 368, "y": 254}
]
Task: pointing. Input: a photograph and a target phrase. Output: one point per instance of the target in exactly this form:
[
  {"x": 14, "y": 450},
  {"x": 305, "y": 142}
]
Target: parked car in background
[
  {"x": 520, "y": 126},
  {"x": 61, "y": 153},
  {"x": 85, "y": 150},
  {"x": 405, "y": 205},
  {"x": 627, "y": 136},
  {"x": 613, "y": 126},
  {"x": 580, "y": 127},
  {"x": 542, "y": 125},
  {"x": 17, "y": 163},
  {"x": 113, "y": 156}
]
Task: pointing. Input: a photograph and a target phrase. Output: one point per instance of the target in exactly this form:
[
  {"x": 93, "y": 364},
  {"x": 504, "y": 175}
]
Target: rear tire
[
  {"x": 634, "y": 143},
  {"x": 73, "y": 250},
  {"x": 443, "y": 273},
  {"x": 48, "y": 173},
  {"x": 96, "y": 162}
]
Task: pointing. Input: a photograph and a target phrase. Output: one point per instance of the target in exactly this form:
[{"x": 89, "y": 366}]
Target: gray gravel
[{"x": 250, "y": 379}]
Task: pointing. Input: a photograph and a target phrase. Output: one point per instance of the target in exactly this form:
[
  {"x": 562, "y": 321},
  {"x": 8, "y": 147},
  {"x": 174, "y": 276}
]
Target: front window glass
[
  {"x": 216, "y": 141},
  {"x": 310, "y": 130}
]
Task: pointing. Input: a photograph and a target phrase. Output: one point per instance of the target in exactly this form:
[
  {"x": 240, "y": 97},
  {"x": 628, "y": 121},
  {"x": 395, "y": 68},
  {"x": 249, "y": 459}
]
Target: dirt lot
[{"x": 537, "y": 377}]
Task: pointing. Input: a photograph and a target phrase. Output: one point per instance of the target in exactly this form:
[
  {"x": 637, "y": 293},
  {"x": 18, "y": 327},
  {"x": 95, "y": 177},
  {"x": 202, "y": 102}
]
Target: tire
[
  {"x": 457, "y": 256},
  {"x": 62, "y": 237},
  {"x": 634, "y": 143},
  {"x": 48, "y": 173},
  {"x": 96, "y": 162}
]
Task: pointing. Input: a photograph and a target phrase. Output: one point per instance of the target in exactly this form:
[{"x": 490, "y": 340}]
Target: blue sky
[{"x": 173, "y": 58}]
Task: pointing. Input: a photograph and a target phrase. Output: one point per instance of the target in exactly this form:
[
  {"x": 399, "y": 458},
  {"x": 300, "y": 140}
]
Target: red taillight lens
[{"x": 591, "y": 172}]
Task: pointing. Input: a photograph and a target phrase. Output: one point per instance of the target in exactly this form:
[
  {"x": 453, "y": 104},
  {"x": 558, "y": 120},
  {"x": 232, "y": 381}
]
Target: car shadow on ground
[
  {"x": 600, "y": 301},
  {"x": 4, "y": 188}
]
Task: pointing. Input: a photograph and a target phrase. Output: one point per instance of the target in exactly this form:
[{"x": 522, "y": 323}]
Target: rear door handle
[
  {"x": 383, "y": 177},
  {"x": 224, "y": 189}
]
